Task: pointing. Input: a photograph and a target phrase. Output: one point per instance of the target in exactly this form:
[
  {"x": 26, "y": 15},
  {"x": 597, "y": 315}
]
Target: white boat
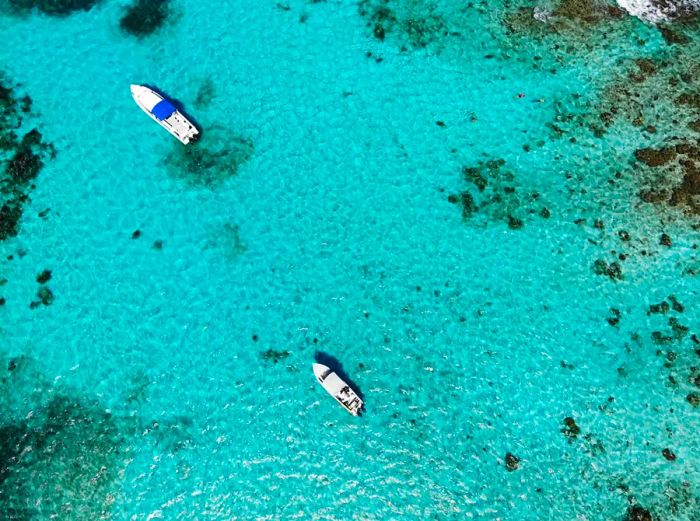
[
  {"x": 338, "y": 389},
  {"x": 163, "y": 112}
]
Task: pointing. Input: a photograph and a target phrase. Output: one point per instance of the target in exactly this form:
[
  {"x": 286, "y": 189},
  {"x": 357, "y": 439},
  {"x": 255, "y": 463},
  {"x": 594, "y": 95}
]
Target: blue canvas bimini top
[{"x": 163, "y": 109}]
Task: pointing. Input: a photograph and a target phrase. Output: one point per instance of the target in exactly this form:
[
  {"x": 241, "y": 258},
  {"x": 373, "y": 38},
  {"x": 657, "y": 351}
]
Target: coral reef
[
  {"x": 209, "y": 162},
  {"x": 21, "y": 159},
  {"x": 415, "y": 24},
  {"x": 205, "y": 94},
  {"x": 274, "y": 356},
  {"x": 61, "y": 461},
  {"x": 51, "y": 7},
  {"x": 512, "y": 462},
  {"x": 637, "y": 513},
  {"x": 612, "y": 270},
  {"x": 145, "y": 17},
  {"x": 44, "y": 277},
  {"x": 570, "y": 430},
  {"x": 496, "y": 196}
]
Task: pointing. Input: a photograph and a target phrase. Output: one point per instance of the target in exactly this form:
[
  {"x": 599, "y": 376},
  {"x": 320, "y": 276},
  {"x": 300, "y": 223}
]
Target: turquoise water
[{"x": 449, "y": 267}]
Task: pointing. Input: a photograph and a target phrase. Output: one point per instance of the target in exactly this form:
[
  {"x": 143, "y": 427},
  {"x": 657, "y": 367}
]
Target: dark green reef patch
[
  {"x": 493, "y": 194},
  {"x": 415, "y": 24},
  {"x": 22, "y": 157},
  {"x": 63, "y": 460},
  {"x": 205, "y": 94},
  {"x": 227, "y": 239},
  {"x": 145, "y": 17},
  {"x": 274, "y": 356},
  {"x": 209, "y": 162},
  {"x": 51, "y": 7}
]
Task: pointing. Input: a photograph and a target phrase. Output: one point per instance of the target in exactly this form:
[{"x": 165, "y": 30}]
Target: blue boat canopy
[{"x": 163, "y": 109}]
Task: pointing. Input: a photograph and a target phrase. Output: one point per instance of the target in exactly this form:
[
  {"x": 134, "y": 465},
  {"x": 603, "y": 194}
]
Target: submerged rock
[
  {"x": 614, "y": 320},
  {"x": 656, "y": 11},
  {"x": 512, "y": 462},
  {"x": 586, "y": 11},
  {"x": 668, "y": 454},
  {"x": 44, "y": 277},
  {"x": 655, "y": 157},
  {"x": 570, "y": 430},
  {"x": 637, "y": 513}
]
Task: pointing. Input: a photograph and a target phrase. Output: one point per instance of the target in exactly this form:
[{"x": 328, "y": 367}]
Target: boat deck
[{"x": 182, "y": 128}]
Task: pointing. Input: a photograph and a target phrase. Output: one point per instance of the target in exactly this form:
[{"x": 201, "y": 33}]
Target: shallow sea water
[{"x": 320, "y": 221}]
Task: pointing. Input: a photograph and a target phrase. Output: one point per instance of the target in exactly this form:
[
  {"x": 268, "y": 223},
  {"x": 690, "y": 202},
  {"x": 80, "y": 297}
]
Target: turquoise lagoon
[{"x": 447, "y": 197}]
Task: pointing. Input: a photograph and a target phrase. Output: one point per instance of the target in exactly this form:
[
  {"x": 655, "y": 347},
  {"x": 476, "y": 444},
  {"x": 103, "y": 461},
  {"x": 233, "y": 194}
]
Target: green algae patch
[
  {"x": 212, "y": 160},
  {"x": 61, "y": 454}
]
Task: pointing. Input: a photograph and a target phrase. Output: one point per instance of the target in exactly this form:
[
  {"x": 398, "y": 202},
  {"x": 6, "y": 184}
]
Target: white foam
[{"x": 655, "y": 11}]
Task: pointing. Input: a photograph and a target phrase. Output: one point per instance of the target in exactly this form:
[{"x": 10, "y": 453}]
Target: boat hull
[
  {"x": 165, "y": 114},
  {"x": 338, "y": 389}
]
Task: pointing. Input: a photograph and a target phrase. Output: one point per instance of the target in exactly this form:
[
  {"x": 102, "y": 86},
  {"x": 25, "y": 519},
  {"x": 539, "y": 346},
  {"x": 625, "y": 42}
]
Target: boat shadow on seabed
[{"x": 333, "y": 363}]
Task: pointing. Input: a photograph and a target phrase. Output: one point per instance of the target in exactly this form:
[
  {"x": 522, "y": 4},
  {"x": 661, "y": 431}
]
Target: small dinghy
[
  {"x": 338, "y": 389},
  {"x": 163, "y": 112}
]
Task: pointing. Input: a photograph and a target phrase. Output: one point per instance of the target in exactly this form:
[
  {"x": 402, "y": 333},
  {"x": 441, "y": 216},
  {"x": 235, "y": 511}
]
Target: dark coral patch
[
  {"x": 637, "y": 513},
  {"x": 205, "y": 94},
  {"x": 10, "y": 214},
  {"x": 53, "y": 7},
  {"x": 64, "y": 459},
  {"x": 612, "y": 270},
  {"x": 655, "y": 157},
  {"x": 212, "y": 160},
  {"x": 512, "y": 462},
  {"x": 677, "y": 333},
  {"x": 614, "y": 320},
  {"x": 44, "y": 277},
  {"x": 668, "y": 454},
  {"x": 20, "y": 163},
  {"x": 495, "y": 196},
  {"x": 274, "y": 356},
  {"x": 417, "y": 26},
  {"x": 145, "y": 17},
  {"x": 570, "y": 430},
  {"x": 586, "y": 11}
]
